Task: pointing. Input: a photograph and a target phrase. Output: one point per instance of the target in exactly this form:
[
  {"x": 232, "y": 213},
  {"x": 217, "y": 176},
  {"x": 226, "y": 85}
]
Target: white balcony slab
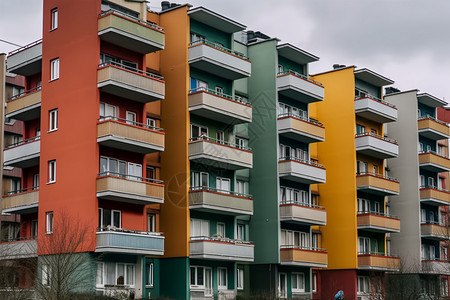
[
  {"x": 27, "y": 60},
  {"x": 376, "y": 146},
  {"x": 301, "y": 172},
  {"x": 300, "y": 89},
  {"x": 376, "y": 110},
  {"x": 24, "y": 155},
  {"x": 130, "y": 243}
]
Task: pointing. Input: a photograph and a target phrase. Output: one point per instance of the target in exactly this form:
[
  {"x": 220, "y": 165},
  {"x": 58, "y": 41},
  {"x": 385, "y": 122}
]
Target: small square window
[
  {"x": 54, "y": 24},
  {"x": 49, "y": 222},
  {"x": 54, "y": 69},
  {"x": 53, "y": 120},
  {"x": 52, "y": 171}
]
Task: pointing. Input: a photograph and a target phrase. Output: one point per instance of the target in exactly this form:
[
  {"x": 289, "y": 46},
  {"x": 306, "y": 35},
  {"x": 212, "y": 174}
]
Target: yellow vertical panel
[{"x": 337, "y": 153}]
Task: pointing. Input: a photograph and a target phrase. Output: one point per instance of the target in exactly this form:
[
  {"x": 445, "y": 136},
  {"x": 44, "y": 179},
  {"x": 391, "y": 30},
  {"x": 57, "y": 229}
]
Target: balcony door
[
  {"x": 363, "y": 245},
  {"x": 223, "y": 185}
]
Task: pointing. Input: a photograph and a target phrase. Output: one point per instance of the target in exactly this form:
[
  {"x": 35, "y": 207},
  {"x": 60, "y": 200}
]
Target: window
[
  {"x": 242, "y": 187},
  {"x": 111, "y": 273},
  {"x": 429, "y": 149},
  {"x": 361, "y": 167},
  {"x": 219, "y": 90},
  {"x": 197, "y": 37},
  {"x": 134, "y": 171},
  {"x": 54, "y": 69},
  {"x": 240, "y": 234},
  {"x": 198, "y": 131},
  {"x": 363, "y": 205},
  {"x": 199, "y": 180},
  {"x": 363, "y": 285},
  {"x": 297, "y": 239},
  {"x": 49, "y": 222},
  {"x": 201, "y": 279},
  {"x": 444, "y": 287},
  {"x": 151, "y": 122},
  {"x": 431, "y": 182},
  {"x": 35, "y": 181},
  {"x": 280, "y": 69},
  {"x": 360, "y": 93},
  {"x": 151, "y": 219},
  {"x": 363, "y": 245},
  {"x": 222, "y": 278},
  {"x": 198, "y": 85},
  {"x": 54, "y": 14},
  {"x": 241, "y": 143},
  {"x": 46, "y": 275},
  {"x": 38, "y": 132},
  {"x": 53, "y": 120},
  {"x": 221, "y": 229},
  {"x": 131, "y": 117},
  {"x": 223, "y": 184},
  {"x": 423, "y": 215},
  {"x": 199, "y": 228},
  {"x": 52, "y": 171},
  {"x": 108, "y": 111},
  {"x": 314, "y": 283},
  {"x": 377, "y": 207},
  {"x": 240, "y": 279},
  {"x": 298, "y": 282},
  {"x": 282, "y": 285},
  {"x": 420, "y": 147},
  {"x": 149, "y": 274},
  {"x": 106, "y": 59},
  {"x": 360, "y": 129},
  {"x": 115, "y": 167},
  {"x": 422, "y": 181},
  {"x": 220, "y": 137},
  {"x": 109, "y": 217},
  {"x": 15, "y": 185},
  {"x": 150, "y": 172},
  {"x": 315, "y": 241},
  {"x": 375, "y": 169},
  {"x": 34, "y": 228}
]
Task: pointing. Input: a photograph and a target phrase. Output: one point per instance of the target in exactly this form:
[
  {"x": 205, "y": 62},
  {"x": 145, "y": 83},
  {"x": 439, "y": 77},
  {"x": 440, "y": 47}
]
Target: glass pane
[
  {"x": 100, "y": 274},
  {"x": 208, "y": 281},
  {"x": 192, "y": 276},
  {"x": 110, "y": 273},
  {"x": 106, "y": 217},
  {"x": 113, "y": 165},
  {"x": 116, "y": 220},
  {"x": 120, "y": 276},
  {"x": 103, "y": 164},
  {"x": 122, "y": 168},
  {"x": 200, "y": 276},
  {"x": 130, "y": 275}
]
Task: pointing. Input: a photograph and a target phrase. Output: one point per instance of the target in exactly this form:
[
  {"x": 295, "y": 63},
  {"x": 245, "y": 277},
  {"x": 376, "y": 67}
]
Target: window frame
[
  {"x": 49, "y": 222},
  {"x": 149, "y": 279},
  {"x": 295, "y": 276},
  {"x": 151, "y": 222},
  {"x": 240, "y": 279},
  {"x": 54, "y": 19},
  {"x": 53, "y": 120},
  {"x": 54, "y": 69},
  {"x": 52, "y": 171},
  {"x": 220, "y": 284}
]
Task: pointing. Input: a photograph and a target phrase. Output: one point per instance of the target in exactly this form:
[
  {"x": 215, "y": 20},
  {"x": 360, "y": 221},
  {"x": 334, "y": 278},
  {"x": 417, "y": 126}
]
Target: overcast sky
[{"x": 407, "y": 41}]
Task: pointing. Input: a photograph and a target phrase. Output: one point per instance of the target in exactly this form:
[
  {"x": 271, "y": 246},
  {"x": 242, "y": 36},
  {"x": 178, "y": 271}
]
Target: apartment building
[
  {"x": 355, "y": 195},
  {"x": 422, "y": 168},
  {"x": 89, "y": 157},
  {"x": 287, "y": 210}
]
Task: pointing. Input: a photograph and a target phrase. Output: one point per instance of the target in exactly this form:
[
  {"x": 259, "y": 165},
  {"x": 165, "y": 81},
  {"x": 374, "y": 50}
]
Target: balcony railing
[
  {"x": 303, "y": 256},
  {"x": 299, "y": 87},
  {"x": 383, "y": 138},
  {"x": 25, "y": 106},
  {"x": 129, "y": 189},
  {"x": 220, "y": 153},
  {"x": 302, "y": 213},
  {"x": 433, "y": 128},
  {"x": 128, "y": 135},
  {"x": 23, "y": 154},
  {"x": 214, "y": 200},
  {"x": 300, "y": 128},
  {"x": 297, "y": 169},
  {"x": 216, "y": 59},
  {"x": 219, "y": 106},
  {"x": 375, "y": 109},
  {"x": 25, "y": 247},
  {"x": 119, "y": 240},
  {"x": 375, "y": 145},
  {"x": 303, "y": 118},
  {"x": 291, "y": 72},
  {"x": 377, "y": 184},
  {"x": 130, "y": 32},
  {"x": 377, "y": 221},
  {"x": 219, "y": 248},
  {"x": 131, "y": 83},
  {"x": 21, "y": 201},
  {"x": 26, "y": 60},
  {"x": 24, "y": 93},
  {"x": 372, "y": 260},
  {"x": 433, "y": 161},
  {"x": 377, "y": 99},
  {"x": 435, "y": 266},
  {"x": 434, "y": 195},
  {"x": 434, "y": 230}
]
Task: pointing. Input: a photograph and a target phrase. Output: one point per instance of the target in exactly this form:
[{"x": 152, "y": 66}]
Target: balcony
[
  {"x": 433, "y": 129},
  {"x": 24, "y": 154},
  {"x": 20, "y": 249},
  {"x": 215, "y": 59},
  {"x": 220, "y": 107},
  {"x": 25, "y": 106},
  {"x": 217, "y": 201},
  {"x": 220, "y": 154},
  {"x": 375, "y": 109},
  {"x": 377, "y": 222},
  {"x": 220, "y": 249},
  {"x": 298, "y": 170},
  {"x": 299, "y": 87},
  {"x": 300, "y": 129},
  {"x": 436, "y": 266},
  {"x": 21, "y": 202},
  {"x": 129, "y": 83},
  {"x": 129, "y": 189},
  {"x": 308, "y": 257},
  {"x": 130, "y": 136},
  {"x": 377, "y": 184},
  {"x": 378, "y": 262},
  {"x": 132, "y": 33},
  {"x": 434, "y": 162},
  {"x": 117, "y": 240},
  {"x": 434, "y": 231},
  {"x": 434, "y": 196},
  {"x": 302, "y": 213},
  {"x": 26, "y": 60},
  {"x": 375, "y": 145}
]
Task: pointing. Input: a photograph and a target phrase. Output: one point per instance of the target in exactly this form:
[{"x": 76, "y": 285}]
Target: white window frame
[
  {"x": 299, "y": 279},
  {"x": 196, "y": 286},
  {"x": 204, "y": 227},
  {"x": 46, "y": 275},
  {"x": 34, "y": 228},
  {"x": 222, "y": 285},
  {"x": 203, "y": 131},
  {"x": 220, "y": 185},
  {"x": 282, "y": 293},
  {"x": 16, "y": 185},
  {"x": 197, "y": 180},
  {"x": 363, "y": 285},
  {"x": 52, "y": 171},
  {"x": 151, "y": 123},
  {"x": 314, "y": 283},
  {"x": 219, "y": 90},
  {"x": 363, "y": 245},
  {"x": 53, "y": 120},
  {"x": 101, "y": 214},
  {"x": 240, "y": 279},
  {"x": 220, "y": 136},
  {"x": 150, "y": 275},
  {"x": 36, "y": 181},
  {"x": 108, "y": 111},
  {"x": 221, "y": 229},
  {"x": 127, "y": 278},
  {"x": 240, "y": 232},
  {"x": 54, "y": 19},
  {"x": 151, "y": 222},
  {"x": 131, "y": 117},
  {"x": 54, "y": 69},
  {"x": 49, "y": 221},
  {"x": 100, "y": 274},
  {"x": 431, "y": 182}
]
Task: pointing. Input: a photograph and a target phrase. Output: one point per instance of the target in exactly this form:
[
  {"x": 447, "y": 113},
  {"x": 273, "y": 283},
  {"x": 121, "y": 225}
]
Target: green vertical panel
[
  {"x": 174, "y": 274},
  {"x": 155, "y": 290},
  {"x": 265, "y": 225}
]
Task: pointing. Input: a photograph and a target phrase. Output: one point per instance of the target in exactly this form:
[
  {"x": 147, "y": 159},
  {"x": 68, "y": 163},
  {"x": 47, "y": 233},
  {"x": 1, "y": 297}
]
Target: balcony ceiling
[
  {"x": 430, "y": 100},
  {"x": 215, "y": 20},
  {"x": 372, "y": 77},
  {"x": 296, "y": 54}
]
